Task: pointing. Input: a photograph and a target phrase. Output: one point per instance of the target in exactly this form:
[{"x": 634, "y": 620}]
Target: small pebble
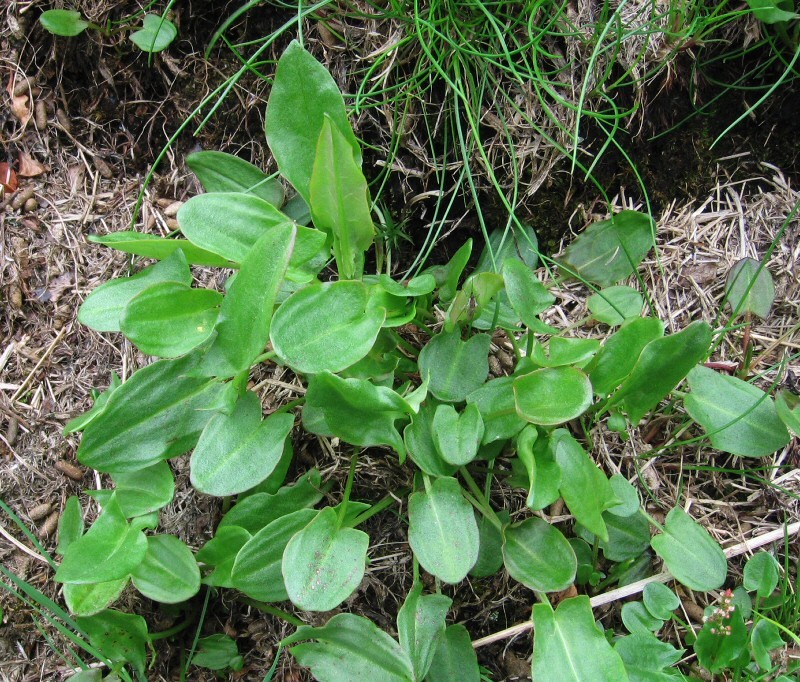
[
  {"x": 30, "y": 205},
  {"x": 69, "y": 470}
]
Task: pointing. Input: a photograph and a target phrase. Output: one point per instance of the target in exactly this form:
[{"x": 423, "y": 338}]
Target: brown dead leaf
[
  {"x": 30, "y": 167},
  {"x": 8, "y": 179},
  {"x": 20, "y": 104}
]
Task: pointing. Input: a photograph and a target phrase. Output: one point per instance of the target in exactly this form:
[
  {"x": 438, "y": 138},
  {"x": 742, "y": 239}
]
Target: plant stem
[
  {"x": 272, "y": 611},
  {"x": 479, "y": 500},
  {"x": 169, "y": 632},
  {"x": 378, "y": 507},
  {"x": 348, "y": 488}
]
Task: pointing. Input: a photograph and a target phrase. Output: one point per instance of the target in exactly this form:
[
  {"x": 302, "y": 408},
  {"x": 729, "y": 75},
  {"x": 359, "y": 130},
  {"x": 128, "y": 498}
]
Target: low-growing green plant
[
  {"x": 740, "y": 634},
  {"x": 154, "y": 34},
  {"x": 455, "y": 429}
]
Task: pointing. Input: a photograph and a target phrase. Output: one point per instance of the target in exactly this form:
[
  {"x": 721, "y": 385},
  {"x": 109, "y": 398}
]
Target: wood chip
[{"x": 70, "y": 470}]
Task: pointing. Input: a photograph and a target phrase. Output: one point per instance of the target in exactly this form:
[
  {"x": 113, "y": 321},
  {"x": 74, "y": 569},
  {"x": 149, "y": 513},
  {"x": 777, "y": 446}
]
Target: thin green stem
[{"x": 272, "y": 611}]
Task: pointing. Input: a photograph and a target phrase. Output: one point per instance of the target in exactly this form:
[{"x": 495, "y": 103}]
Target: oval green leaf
[
  {"x": 237, "y": 451},
  {"x": 323, "y": 564},
  {"x": 738, "y": 417},
  {"x": 169, "y": 572},
  {"x": 348, "y": 648},
  {"x": 221, "y": 172},
  {"x": 552, "y": 395},
  {"x": 761, "y": 574},
  {"x": 614, "y": 305},
  {"x": 325, "y": 327},
  {"x": 169, "y": 319},
  {"x": 455, "y": 368},
  {"x": 442, "y": 530},
  {"x": 155, "y": 35},
  {"x": 63, "y": 22},
  {"x": 455, "y": 658},
  {"x": 569, "y": 647},
  {"x": 257, "y": 568},
  {"x": 690, "y": 553},
  {"x": 538, "y": 555},
  {"x": 151, "y": 246},
  {"x": 457, "y": 436},
  {"x": 750, "y": 289}
]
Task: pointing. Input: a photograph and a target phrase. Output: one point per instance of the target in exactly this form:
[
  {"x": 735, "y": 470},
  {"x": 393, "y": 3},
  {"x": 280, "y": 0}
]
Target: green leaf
[
  {"x": 242, "y": 329},
  {"x": 221, "y": 172},
  {"x": 660, "y": 367},
  {"x": 660, "y": 600},
  {"x": 647, "y": 659},
  {"x": 420, "y": 626},
  {"x": 419, "y": 441},
  {"x": 87, "y": 599},
  {"x": 519, "y": 243},
  {"x": 609, "y": 250},
  {"x": 303, "y": 94},
  {"x": 618, "y": 356},
  {"x": 627, "y": 494},
  {"x": 156, "y": 414},
  {"x": 690, "y": 553},
  {"x": 738, "y": 417},
  {"x": 170, "y": 318},
  {"x": 788, "y": 406},
  {"x": 145, "y": 490},
  {"x": 323, "y": 563},
  {"x": 70, "y": 525},
  {"x": 169, "y": 572},
  {"x": 469, "y": 303},
  {"x": 220, "y": 553},
  {"x": 354, "y": 410},
  {"x": 538, "y": 555},
  {"x": 614, "y": 305},
  {"x": 325, "y": 327},
  {"x": 749, "y": 289},
  {"x": 552, "y": 395},
  {"x": 256, "y": 511},
  {"x": 563, "y": 352},
  {"x": 63, "y": 22},
  {"x": 457, "y": 436},
  {"x": 229, "y": 223},
  {"x": 765, "y": 637},
  {"x": 339, "y": 199},
  {"x": 628, "y": 536},
  {"x": 455, "y": 658},
  {"x": 120, "y": 636},
  {"x": 716, "y": 650},
  {"x": 569, "y": 647},
  {"x": 761, "y": 574},
  {"x": 239, "y": 450},
  {"x": 498, "y": 408},
  {"x": 772, "y": 11},
  {"x": 257, "y": 568},
  {"x": 447, "y": 276},
  {"x": 155, "y": 35},
  {"x": 454, "y": 367},
  {"x": 217, "y": 652},
  {"x": 442, "y": 530},
  {"x": 527, "y": 294},
  {"x": 490, "y": 551},
  {"x": 104, "y": 307},
  {"x": 150, "y": 246},
  {"x": 584, "y": 487},
  {"x": 348, "y": 648},
  {"x": 544, "y": 474},
  {"x": 638, "y": 619},
  {"x": 111, "y": 549}
]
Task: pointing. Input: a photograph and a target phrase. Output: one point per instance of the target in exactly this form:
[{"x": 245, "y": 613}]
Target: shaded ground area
[{"x": 97, "y": 118}]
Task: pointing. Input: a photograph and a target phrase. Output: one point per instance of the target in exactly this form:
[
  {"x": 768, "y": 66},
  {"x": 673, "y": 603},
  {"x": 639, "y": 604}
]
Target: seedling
[{"x": 154, "y": 34}]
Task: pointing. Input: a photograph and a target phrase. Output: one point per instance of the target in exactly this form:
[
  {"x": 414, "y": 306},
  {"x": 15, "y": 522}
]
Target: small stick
[{"x": 638, "y": 586}]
